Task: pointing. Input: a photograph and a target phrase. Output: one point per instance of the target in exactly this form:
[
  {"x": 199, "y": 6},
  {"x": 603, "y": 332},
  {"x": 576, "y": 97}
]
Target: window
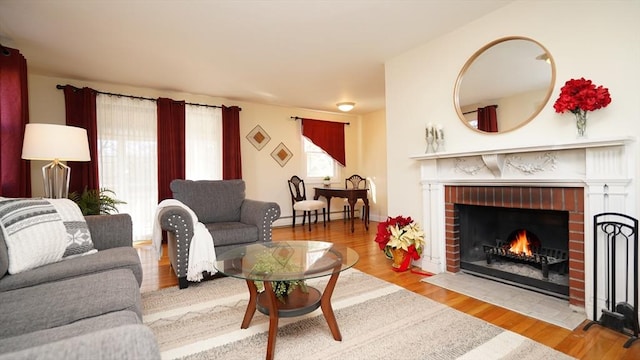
[
  {"x": 127, "y": 157},
  {"x": 203, "y": 145},
  {"x": 319, "y": 164}
]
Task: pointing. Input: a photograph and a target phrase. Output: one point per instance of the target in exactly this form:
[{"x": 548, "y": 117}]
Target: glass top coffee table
[{"x": 274, "y": 262}]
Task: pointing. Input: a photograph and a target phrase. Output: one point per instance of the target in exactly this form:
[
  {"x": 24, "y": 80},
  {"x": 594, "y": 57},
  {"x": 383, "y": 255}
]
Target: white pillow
[{"x": 42, "y": 231}]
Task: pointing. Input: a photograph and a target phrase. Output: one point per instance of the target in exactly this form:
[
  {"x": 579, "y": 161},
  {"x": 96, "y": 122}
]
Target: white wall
[
  {"x": 600, "y": 42},
  {"x": 265, "y": 179},
  {"x": 373, "y": 160}
]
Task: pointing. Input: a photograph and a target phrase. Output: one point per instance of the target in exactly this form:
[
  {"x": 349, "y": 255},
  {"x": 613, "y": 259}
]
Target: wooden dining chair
[
  {"x": 299, "y": 202},
  {"x": 355, "y": 181}
]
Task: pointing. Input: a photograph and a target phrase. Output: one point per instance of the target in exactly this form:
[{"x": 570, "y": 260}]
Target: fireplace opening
[{"x": 523, "y": 247}]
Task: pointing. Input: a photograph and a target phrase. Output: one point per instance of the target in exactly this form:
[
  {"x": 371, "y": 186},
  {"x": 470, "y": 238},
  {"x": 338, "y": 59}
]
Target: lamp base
[{"x": 56, "y": 180}]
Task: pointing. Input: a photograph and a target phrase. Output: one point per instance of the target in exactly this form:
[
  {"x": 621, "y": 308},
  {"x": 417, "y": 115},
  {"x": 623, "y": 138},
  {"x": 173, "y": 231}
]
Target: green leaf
[{"x": 96, "y": 202}]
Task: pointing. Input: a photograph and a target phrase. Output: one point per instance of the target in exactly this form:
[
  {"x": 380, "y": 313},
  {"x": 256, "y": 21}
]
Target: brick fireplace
[
  {"x": 583, "y": 177},
  {"x": 568, "y": 199}
]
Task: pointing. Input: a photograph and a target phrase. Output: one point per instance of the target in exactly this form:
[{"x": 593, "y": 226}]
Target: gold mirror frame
[{"x": 544, "y": 54}]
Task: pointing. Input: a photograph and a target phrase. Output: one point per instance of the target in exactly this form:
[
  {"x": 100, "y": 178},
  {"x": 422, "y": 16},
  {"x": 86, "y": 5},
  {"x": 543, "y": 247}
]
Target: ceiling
[{"x": 297, "y": 53}]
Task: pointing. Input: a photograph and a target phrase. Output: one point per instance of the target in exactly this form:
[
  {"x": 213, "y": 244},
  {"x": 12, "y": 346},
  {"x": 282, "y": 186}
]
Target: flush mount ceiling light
[{"x": 345, "y": 106}]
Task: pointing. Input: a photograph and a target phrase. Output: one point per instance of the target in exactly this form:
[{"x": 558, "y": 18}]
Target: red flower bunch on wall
[{"x": 580, "y": 96}]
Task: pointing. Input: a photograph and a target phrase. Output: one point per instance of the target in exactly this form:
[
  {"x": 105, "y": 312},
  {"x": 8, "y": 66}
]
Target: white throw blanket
[{"x": 202, "y": 255}]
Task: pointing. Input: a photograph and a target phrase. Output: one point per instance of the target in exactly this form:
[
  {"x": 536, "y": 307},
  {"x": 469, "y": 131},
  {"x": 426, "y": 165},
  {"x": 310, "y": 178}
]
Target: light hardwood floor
[{"x": 597, "y": 343}]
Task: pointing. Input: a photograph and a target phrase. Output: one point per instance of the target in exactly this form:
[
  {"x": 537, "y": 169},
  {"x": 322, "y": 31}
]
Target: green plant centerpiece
[
  {"x": 276, "y": 261},
  {"x": 96, "y": 201}
]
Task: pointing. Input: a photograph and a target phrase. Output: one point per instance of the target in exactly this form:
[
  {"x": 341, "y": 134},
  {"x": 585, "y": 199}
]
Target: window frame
[{"x": 337, "y": 168}]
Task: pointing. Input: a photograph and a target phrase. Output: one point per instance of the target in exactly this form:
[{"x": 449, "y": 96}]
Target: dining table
[{"x": 352, "y": 196}]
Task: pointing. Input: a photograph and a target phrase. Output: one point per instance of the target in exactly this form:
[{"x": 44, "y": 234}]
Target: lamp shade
[
  {"x": 345, "y": 106},
  {"x": 51, "y": 142}
]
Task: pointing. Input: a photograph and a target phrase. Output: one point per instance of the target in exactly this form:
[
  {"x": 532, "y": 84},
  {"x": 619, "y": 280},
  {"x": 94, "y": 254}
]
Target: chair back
[
  {"x": 297, "y": 189},
  {"x": 355, "y": 181}
]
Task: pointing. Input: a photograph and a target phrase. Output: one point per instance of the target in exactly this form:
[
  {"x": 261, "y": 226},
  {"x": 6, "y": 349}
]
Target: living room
[{"x": 597, "y": 40}]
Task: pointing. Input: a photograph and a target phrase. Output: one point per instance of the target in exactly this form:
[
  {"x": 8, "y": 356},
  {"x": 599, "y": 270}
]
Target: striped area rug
[{"x": 378, "y": 320}]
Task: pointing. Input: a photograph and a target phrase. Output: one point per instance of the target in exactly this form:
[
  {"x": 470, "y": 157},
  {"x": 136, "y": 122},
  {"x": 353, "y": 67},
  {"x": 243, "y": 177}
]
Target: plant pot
[{"x": 401, "y": 260}]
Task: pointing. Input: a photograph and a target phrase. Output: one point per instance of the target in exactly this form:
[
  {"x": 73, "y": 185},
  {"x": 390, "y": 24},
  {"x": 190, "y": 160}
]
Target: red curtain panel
[
  {"x": 15, "y": 176},
  {"x": 231, "y": 157},
  {"x": 171, "y": 144},
  {"x": 327, "y": 135},
  {"x": 80, "y": 110},
  {"x": 488, "y": 118}
]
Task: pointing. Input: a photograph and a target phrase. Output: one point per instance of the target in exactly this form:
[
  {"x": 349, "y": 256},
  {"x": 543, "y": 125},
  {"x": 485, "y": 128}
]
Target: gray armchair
[{"x": 221, "y": 206}]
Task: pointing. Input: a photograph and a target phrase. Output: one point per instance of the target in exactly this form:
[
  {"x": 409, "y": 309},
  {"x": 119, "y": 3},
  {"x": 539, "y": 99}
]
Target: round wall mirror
[{"x": 504, "y": 85}]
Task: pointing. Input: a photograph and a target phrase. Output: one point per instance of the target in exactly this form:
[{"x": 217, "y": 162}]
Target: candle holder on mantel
[
  {"x": 430, "y": 147},
  {"x": 430, "y": 136},
  {"x": 439, "y": 135}
]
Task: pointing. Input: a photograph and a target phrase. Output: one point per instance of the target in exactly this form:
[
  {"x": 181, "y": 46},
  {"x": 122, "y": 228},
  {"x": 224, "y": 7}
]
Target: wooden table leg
[
  {"x": 316, "y": 197},
  {"x": 273, "y": 320},
  {"x": 366, "y": 214},
  {"x": 251, "y": 306},
  {"x": 325, "y": 305},
  {"x": 352, "y": 205}
]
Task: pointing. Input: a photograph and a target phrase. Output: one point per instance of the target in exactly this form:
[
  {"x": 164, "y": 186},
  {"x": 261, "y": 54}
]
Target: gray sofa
[
  {"x": 222, "y": 207},
  {"x": 81, "y": 308}
]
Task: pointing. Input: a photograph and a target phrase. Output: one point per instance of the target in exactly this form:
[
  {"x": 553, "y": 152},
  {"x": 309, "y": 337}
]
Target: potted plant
[
  {"x": 270, "y": 262},
  {"x": 401, "y": 239},
  {"x": 96, "y": 201},
  {"x": 326, "y": 181}
]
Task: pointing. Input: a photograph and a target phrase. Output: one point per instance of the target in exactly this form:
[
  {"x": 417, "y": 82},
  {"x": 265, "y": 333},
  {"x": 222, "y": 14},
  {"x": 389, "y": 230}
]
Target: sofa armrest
[
  {"x": 123, "y": 342},
  {"x": 178, "y": 224},
  {"x": 261, "y": 214},
  {"x": 110, "y": 231}
]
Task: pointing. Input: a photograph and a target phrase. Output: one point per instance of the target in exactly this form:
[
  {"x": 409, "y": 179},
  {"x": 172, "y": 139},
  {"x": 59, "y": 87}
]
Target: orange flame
[{"x": 520, "y": 245}]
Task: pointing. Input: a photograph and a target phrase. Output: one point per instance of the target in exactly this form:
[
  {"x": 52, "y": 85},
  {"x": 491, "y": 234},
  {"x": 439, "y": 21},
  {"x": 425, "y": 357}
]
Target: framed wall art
[
  {"x": 281, "y": 154},
  {"x": 258, "y": 137}
]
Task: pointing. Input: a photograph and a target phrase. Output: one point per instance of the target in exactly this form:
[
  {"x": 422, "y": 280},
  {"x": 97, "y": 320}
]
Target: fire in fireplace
[
  {"x": 522, "y": 242},
  {"x": 523, "y": 247}
]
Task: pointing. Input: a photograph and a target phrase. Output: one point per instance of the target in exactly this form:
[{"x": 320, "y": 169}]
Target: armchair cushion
[
  {"x": 231, "y": 233},
  {"x": 218, "y": 203}
]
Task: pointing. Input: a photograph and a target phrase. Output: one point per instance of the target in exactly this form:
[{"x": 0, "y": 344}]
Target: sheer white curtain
[
  {"x": 203, "y": 145},
  {"x": 127, "y": 151}
]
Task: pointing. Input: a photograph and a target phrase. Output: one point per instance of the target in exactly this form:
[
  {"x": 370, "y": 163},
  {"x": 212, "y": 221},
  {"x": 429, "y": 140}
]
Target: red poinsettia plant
[
  {"x": 400, "y": 233},
  {"x": 580, "y": 96}
]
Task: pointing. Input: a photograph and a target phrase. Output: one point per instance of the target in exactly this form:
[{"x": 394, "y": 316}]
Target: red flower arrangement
[
  {"x": 580, "y": 95},
  {"x": 400, "y": 233}
]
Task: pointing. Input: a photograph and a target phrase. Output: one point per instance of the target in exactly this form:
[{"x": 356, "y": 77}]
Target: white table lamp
[{"x": 56, "y": 143}]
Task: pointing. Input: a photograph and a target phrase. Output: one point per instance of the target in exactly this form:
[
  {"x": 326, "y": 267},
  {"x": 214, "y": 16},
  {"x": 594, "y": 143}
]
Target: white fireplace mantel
[
  {"x": 605, "y": 167},
  {"x": 524, "y": 148},
  {"x": 571, "y": 162}
]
